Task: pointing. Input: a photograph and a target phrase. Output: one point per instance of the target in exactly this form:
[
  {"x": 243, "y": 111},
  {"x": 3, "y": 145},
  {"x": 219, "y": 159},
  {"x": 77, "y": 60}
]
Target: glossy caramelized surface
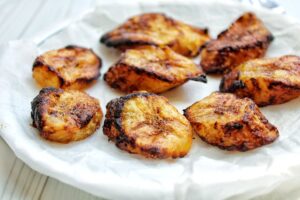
[
  {"x": 160, "y": 30},
  {"x": 267, "y": 81},
  {"x": 71, "y": 67},
  {"x": 145, "y": 123},
  {"x": 153, "y": 69},
  {"x": 65, "y": 116},
  {"x": 247, "y": 38},
  {"x": 231, "y": 123}
]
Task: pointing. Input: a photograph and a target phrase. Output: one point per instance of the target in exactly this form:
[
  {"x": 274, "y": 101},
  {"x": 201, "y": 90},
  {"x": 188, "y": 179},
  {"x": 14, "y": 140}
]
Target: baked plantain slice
[
  {"x": 72, "y": 67},
  {"x": 231, "y": 123},
  {"x": 65, "y": 116},
  {"x": 153, "y": 69},
  {"x": 157, "y": 29},
  {"x": 247, "y": 38},
  {"x": 146, "y": 124},
  {"x": 267, "y": 81}
]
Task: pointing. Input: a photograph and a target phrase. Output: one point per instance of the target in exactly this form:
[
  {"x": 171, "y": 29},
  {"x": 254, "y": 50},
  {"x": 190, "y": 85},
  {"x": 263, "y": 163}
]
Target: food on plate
[
  {"x": 267, "y": 81},
  {"x": 72, "y": 67},
  {"x": 160, "y": 30},
  {"x": 247, "y": 38},
  {"x": 231, "y": 123},
  {"x": 65, "y": 116},
  {"x": 153, "y": 69},
  {"x": 147, "y": 124}
]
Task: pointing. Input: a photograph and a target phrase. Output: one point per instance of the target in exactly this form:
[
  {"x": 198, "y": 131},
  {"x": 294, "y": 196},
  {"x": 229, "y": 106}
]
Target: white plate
[{"x": 97, "y": 166}]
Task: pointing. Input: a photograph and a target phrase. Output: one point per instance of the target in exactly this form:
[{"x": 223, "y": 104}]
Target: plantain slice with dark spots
[
  {"x": 230, "y": 123},
  {"x": 157, "y": 29},
  {"x": 267, "y": 81},
  {"x": 247, "y": 38},
  {"x": 65, "y": 116},
  {"x": 146, "y": 124},
  {"x": 152, "y": 69},
  {"x": 72, "y": 67}
]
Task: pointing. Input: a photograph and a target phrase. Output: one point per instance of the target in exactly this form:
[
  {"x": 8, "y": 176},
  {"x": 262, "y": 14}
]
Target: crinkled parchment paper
[{"x": 97, "y": 166}]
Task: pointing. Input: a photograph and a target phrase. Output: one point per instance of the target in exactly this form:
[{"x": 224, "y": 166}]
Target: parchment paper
[{"x": 97, "y": 166}]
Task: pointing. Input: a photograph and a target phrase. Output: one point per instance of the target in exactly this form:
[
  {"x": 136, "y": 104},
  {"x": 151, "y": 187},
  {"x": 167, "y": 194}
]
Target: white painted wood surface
[{"x": 23, "y": 19}]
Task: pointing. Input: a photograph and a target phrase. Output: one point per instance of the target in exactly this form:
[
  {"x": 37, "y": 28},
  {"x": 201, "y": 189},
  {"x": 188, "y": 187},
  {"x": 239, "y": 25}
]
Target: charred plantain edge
[
  {"x": 123, "y": 42},
  {"x": 222, "y": 84},
  {"x": 152, "y": 74},
  {"x": 242, "y": 147},
  {"x": 37, "y": 109},
  {"x": 283, "y": 85},
  {"x": 202, "y": 78},
  {"x": 72, "y": 46},
  {"x": 236, "y": 85},
  {"x": 258, "y": 43},
  {"x": 205, "y": 30},
  {"x": 103, "y": 38},
  {"x": 216, "y": 69},
  {"x": 140, "y": 71}
]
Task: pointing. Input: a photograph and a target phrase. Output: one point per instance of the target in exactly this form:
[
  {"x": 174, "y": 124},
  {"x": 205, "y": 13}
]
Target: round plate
[{"x": 97, "y": 166}]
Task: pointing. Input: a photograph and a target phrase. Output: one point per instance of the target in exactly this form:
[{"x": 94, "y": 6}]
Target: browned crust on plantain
[
  {"x": 157, "y": 29},
  {"x": 75, "y": 120},
  {"x": 114, "y": 129},
  {"x": 230, "y": 123},
  {"x": 152, "y": 69},
  {"x": 267, "y": 81},
  {"x": 247, "y": 38},
  {"x": 88, "y": 75}
]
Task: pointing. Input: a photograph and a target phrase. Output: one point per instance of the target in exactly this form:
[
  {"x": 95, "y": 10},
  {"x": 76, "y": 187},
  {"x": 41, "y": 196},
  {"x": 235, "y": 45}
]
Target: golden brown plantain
[
  {"x": 267, "y": 81},
  {"x": 65, "y": 116},
  {"x": 152, "y": 69},
  {"x": 145, "y": 123},
  {"x": 247, "y": 38},
  {"x": 72, "y": 67},
  {"x": 160, "y": 30},
  {"x": 230, "y": 123}
]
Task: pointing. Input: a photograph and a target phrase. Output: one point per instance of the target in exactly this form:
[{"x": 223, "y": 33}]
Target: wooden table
[{"x": 23, "y": 19}]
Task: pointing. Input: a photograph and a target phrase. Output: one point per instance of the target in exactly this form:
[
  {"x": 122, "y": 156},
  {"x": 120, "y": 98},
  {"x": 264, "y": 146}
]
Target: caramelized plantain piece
[
  {"x": 65, "y": 116},
  {"x": 230, "y": 123},
  {"x": 267, "y": 81},
  {"x": 160, "y": 30},
  {"x": 152, "y": 69},
  {"x": 145, "y": 123},
  {"x": 72, "y": 67},
  {"x": 247, "y": 38}
]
